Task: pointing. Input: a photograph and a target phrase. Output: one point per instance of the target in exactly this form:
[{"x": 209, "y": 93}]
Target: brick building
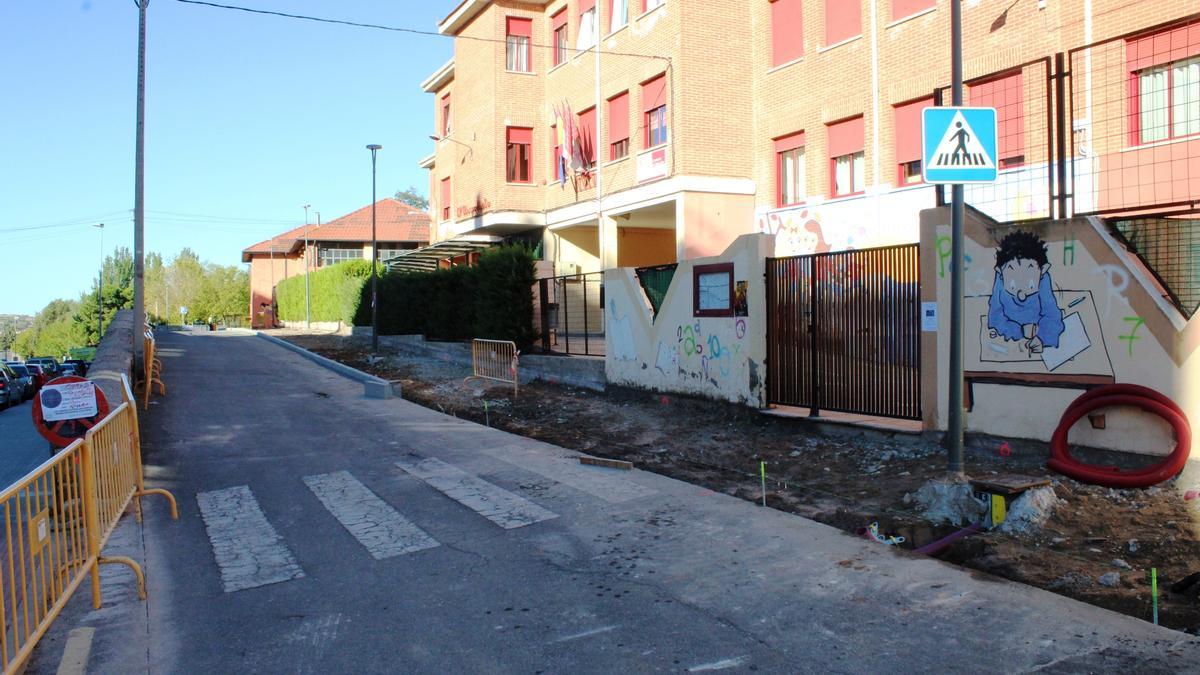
[
  {"x": 399, "y": 227},
  {"x": 705, "y": 120}
]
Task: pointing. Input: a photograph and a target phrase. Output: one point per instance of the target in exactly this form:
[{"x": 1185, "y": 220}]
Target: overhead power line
[
  {"x": 74, "y": 222},
  {"x": 399, "y": 29}
]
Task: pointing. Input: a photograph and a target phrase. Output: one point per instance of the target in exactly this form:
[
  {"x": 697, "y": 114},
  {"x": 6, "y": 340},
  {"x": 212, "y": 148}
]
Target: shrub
[
  {"x": 493, "y": 300},
  {"x": 334, "y": 292}
]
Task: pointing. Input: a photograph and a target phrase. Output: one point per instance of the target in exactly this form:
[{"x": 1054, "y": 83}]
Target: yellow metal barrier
[
  {"x": 56, "y": 521},
  {"x": 151, "y": 368},
  {"x": 495, "y": 360}
]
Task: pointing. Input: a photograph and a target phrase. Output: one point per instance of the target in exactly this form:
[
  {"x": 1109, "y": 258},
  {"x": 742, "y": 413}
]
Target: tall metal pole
[
  {"x": 100, "y": 290},
  {"x": 374, "y": 256},
  {"x": 139, "y": 189},
  {"x": 955, "y": 432},
  {"x": 307, "y": 300}
]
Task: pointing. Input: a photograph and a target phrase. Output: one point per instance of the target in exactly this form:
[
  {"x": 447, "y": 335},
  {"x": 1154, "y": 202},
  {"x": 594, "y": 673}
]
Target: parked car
[
  {"x": 39, "y": 375},
  {"x": 11, "y": 388},
  {"x": 49, "y": 365},
  {"x": 81, "y": 366},
  {"x": 27, "y": 378},
  {"x": 67, "y": 369}
]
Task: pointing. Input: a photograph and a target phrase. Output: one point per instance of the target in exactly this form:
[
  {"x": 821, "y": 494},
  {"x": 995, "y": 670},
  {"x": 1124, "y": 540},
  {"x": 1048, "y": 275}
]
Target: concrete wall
[
  {"x": 576, "y": 371},
  {"x": 114, "y": 357},
  {"x": 722, "y": 358},
  {"x": 1116, "y": 327}
]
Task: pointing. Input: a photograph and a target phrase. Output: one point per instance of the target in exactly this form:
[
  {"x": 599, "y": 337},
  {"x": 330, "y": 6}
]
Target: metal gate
[{"x": 844, "y": 331}]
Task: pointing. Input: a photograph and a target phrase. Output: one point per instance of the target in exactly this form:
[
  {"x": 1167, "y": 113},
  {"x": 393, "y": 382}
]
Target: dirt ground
[{"x": 847, "y": 478}]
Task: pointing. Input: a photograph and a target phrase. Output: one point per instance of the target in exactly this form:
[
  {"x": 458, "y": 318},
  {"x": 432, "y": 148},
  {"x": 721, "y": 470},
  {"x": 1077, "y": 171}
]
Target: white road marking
[
  {"x": 373, "y": 522},
  {"x": 586, "y": 633},
  {"x": 723, "y": 664},
  {"x": 76, "y": 652},
  {"x": 608, "y": 484},
  {"x": 494, "y": 503},
  {"x": 248, "y": 550}
]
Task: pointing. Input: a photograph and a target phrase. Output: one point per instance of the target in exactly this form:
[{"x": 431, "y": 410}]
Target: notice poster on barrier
[{"x": 68, "y": 401}]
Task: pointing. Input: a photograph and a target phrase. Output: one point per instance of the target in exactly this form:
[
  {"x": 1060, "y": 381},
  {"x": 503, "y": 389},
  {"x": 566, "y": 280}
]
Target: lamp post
[
  {"x": 100, "y": 288},
  {"x": 307, "y": 300},
  {"x": 374, "y": 148}
]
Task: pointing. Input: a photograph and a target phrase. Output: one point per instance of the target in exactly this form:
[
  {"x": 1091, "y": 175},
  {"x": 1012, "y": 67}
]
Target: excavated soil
[{"x": 844, "y": 477}]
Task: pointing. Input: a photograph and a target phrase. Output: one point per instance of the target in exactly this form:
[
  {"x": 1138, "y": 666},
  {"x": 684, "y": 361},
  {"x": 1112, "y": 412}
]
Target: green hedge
[
  {"x": 334, "y": 291},
  {"x": 492, "y": 300}
]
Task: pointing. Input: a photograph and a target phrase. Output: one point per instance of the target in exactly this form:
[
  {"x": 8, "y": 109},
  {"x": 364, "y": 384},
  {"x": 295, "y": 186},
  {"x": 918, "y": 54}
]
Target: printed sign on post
[
  {"x": 70, "y": 401},
  {"x": 929, "y": 317}
]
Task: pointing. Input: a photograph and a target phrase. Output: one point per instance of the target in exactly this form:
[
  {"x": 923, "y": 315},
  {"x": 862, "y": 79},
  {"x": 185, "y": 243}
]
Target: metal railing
[
  {"x": 151, "y": 368},
  {"x": 571, "y": 314},
  {"x": 56, "y": 521},
  {"x": 495, "y": 360}
]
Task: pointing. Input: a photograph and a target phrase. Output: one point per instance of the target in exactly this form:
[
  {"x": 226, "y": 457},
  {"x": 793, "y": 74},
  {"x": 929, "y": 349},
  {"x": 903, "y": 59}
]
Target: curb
[{"x": 373, "y": 387}]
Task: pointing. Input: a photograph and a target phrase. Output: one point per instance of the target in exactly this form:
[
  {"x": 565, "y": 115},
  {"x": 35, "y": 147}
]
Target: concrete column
[
  {"x": 680, "y": 238},
  {"x": 607, "y": 231}
]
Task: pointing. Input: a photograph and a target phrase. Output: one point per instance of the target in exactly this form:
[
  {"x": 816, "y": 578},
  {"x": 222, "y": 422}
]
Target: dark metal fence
[
  {"x": 571, "y": 314},
  {"x": 843, "y": 332},
  {"x": 1170, "y": 249}
]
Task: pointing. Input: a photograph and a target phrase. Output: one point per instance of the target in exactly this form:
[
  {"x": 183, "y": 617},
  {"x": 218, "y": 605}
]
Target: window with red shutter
[
  {"x": 1164, "y": 85},
  {"x": 446, "y": 115},
  {"x": 618, "y": 126},
  {"x": 1007, "y": 95},
  {"x": 789, "y": 169},
  {"x": 519, "y": 155},
  {"x": 907, "y": 120},
  {"x": 654, "y": 111},
  {"x": 518, "y": 45},
  {"x": 843, "y": 20},
  {"x": 445, "y": 200},
  {"x": 587, "y": 136},
  {"x": 558, "y": 32},
  {"x": 787, "y": 31},
  {"x": 903, "y": 8},
  {"x": 847, "y": 171}
]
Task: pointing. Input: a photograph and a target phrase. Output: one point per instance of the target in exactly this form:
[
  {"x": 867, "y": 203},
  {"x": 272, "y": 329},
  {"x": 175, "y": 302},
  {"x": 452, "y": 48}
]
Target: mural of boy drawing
[{"x": 1022, "y": 306}]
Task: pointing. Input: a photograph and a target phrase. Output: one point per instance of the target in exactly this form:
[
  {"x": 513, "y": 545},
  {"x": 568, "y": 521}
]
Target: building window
[
  {"x": 556, "y": 158},
  {"x": 587, "y": 136},
  {"x": 846, "y": 156},
  {"x": 907, "y": 121},
  {"x": 558, "y": 28},
  {"x": 445, "y": 200},
  {"x": 654, "y": 107},
  {"x": 648, "y": 5},
  {"x": 787, "y": 31},
  {"x": 519, "y": 155},
  {"x": 618, "y": 126},
  {"x": 789, "y": 168},
  {"x": 618, "y": 13},
  {"x": 446, "y": 115},
  {"x": 1007, "y": 95},
  {"x": 712, "y": 290},
  {"x": 1164, "y": 85},
  {"x": 386, "y": 252},
  {"x": 843, "y": 20},
  {"x": 589, "y": 25},
  {"x": 518, "y": 47},
  {"x": 903, "y": 8},
  {"x": 333, "y": 256}
]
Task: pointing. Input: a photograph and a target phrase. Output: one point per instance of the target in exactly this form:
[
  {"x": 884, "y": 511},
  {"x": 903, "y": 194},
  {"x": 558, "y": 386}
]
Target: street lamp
[
  {"x": 100, "y": 288},
  {"x": 374, "y": 257},
  {"x": 307, "y": 301}
]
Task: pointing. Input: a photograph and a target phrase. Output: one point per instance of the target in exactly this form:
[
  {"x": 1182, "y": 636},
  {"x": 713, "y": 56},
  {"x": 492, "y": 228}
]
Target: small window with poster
[{"x": 712, "y": 290}]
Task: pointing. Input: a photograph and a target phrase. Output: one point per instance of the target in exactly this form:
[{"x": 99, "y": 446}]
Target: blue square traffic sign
[{"x": 958, "y": 145}]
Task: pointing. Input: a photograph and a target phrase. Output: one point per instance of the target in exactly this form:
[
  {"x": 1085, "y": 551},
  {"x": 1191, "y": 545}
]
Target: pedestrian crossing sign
[{"x": 959, "y": 145}]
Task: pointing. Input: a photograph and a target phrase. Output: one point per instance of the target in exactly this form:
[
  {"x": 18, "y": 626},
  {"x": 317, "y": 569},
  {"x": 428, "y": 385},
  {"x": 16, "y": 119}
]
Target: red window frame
[
  {"x": 519, "y": 145},
  {"x": 846, "y": 138},
  {"x": 516, "y": 26},
  {"x": 587, "y": 136},
  {"x": 560, "y": 36},
  {"x": 843, "y": 20},
  {"x": 904, "y": 8},
  {"x": 446, "y": 115},
  {"x": 784, "y": 145},
  {"x": 1159, "y": 50},
  {"x": 654, "y": 109},
  {"x": 906, "y": 127},
  {"x": 704, "y": 270},
  {"x": 787, "y": 31},
  {"x": 618, "y": 125},
  {"x": 1006, "y": 93},
  {"x": 556, "y": 154},
  {"x": 445, "y": 199}
]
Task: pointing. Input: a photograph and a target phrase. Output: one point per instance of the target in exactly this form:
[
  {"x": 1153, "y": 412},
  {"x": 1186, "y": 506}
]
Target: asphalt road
[
  {"x": 324, "y": 532},
  {"x": 21, "y": 448}
]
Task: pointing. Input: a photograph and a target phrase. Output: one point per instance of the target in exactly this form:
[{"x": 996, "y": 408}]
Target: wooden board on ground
[
  {"x": 610, "y": 463},
  {"x": 1008, "y": 483}
]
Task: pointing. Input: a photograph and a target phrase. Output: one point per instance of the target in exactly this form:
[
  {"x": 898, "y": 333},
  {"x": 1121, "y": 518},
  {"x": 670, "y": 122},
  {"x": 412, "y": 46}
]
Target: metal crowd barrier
[
  {"x": 495, "y": 360},
  {"x": 56, "y": 522},
  {"x": 151, "y": 368}
]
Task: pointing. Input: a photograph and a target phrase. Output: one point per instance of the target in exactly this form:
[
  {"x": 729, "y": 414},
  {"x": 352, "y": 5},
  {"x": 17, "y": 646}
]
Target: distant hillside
[{"x": 19, "y": 322}]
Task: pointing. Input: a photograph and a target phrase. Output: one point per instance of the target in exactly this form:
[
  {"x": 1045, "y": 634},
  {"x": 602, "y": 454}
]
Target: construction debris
[{"x": 1030, "y": 511}]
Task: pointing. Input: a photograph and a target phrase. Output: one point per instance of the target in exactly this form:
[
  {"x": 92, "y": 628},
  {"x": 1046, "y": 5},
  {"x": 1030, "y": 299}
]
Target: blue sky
[{"x": 248, "y": 118}]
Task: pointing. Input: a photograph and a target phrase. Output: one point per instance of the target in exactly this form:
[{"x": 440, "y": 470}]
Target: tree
[
  {"x": 224, "y": 294},
  {"x": 117, "y": 272},
  {"x": 413, "y": 197},
  {"x": 8, "y": 335}
]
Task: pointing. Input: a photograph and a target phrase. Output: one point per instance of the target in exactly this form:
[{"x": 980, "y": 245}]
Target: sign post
[{"x": 959, "y": 146}]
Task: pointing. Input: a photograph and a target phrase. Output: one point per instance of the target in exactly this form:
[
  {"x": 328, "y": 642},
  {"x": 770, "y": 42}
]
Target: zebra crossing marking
[
  {"x": 373, "y": 522},
  {"x": 490, "y": 501},
  {"x": 248, "y": 550}
]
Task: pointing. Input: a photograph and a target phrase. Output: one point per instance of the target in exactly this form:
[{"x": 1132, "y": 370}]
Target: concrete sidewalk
[{"x": 324, "y": 532}]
